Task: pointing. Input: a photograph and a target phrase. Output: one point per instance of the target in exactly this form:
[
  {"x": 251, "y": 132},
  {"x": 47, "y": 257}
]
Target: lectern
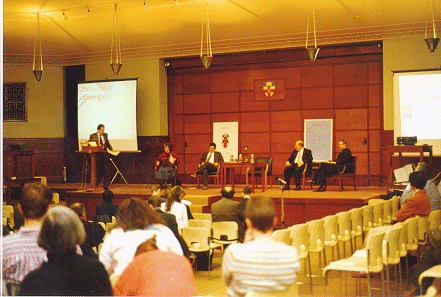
[{"x": 92, "y": 151}]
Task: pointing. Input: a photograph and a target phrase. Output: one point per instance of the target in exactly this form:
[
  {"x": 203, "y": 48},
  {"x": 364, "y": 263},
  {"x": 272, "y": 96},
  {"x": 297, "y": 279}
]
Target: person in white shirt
[{"x": 173, "y": 205}]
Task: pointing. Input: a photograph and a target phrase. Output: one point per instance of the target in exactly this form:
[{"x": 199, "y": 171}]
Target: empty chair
[
  {"x": 365, "y": 261},
  {"x": 434, "y": 271},
  {"x": 265, "y": 173},
  {"x": 423, "y": 224},
  {"x": 344, "y": 229},
  {"x": 367, "y": 211},
  {"x": 387, "y": 212},
  {"x": 316, "y": 239},
  {"x": 200, "y": 224},
  {"x": 225, "y": 233},
  {"x": 412, "y": 234},
  {"x": 300, "y": 240},
  {"x": 377, "y": 214},
  {"x": 202, "y": 216},
  {"x": 356, "y": 225},
  {"x": 392, "y": 255},
  {"x": 434, "y": 219},
  {"x": 282, "y": 235},
  {"x": 330, "y": 224},
  {"x": 395, "y": 204}
]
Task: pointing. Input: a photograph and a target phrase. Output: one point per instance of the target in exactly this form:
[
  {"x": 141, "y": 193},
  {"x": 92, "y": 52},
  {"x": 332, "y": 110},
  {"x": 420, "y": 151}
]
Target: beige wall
[
  {"x": 152, "y": 92},
  {"x": 403, "y": 54},
  {"x": 44, "y": 102}
]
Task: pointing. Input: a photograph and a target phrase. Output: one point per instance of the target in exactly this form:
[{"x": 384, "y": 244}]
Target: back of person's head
[
  {"x": 108, "y": 195},
  {"x": 155, "y": 201},
  {"x": 247, "y": 190},
  {"x": 423, "y": 167},
  {"x": 136, "y": 214},
  {"x": 155, "y": 188},
  {"x": 35, "y": 200},
  {"x": 175, "y": 195},
  {"x": 418, "y": 179},
  {"x": 261, "y": 212},
  {"x": 61, "y": 230},
  {"x": 227, "y": 192},
  {"x": 147, "y": 246},
  {"x": 79, "y": 208}
]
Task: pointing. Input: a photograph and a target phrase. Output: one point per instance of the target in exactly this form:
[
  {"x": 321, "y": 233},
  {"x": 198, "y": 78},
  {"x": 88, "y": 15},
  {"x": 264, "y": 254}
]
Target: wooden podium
[{"x": 92, "y": 151}]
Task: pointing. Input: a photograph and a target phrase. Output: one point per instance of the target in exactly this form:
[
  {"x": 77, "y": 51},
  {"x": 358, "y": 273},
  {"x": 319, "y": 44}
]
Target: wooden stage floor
[{"x": 300, "y": 206}]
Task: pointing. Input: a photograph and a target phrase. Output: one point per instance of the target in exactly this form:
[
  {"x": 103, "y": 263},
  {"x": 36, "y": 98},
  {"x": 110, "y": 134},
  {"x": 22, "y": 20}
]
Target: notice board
[{"x": 318, "y": 138}]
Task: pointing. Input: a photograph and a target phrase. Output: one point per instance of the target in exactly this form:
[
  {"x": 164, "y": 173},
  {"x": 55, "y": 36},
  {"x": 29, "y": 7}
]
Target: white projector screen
[
  {"x": 417, "y": 106},
  {"x": 112, "y": 103}
]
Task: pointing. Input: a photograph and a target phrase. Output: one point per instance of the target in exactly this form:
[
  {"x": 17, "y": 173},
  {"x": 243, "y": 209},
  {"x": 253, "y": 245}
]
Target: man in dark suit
[
  {"x": 103, "y": 160},
  {"x": 331, "y": 168},
  {"x": 209, "y": 163},
  {"x": 170, "y": 221},
  {"x": 228, "y": 210},
  {"x": 295, "y": 165}
]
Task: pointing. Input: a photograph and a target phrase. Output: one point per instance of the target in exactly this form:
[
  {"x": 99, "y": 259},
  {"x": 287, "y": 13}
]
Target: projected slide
[
  {"x": 418, "y": 106},
  {"x": 112, "y": 103}
]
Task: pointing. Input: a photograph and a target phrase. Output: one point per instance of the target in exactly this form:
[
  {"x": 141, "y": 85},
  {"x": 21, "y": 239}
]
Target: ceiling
[{"x": 172, "y": 28}]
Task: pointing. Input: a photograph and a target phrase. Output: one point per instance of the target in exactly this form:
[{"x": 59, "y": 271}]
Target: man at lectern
[{"x": 103, "y": 160}]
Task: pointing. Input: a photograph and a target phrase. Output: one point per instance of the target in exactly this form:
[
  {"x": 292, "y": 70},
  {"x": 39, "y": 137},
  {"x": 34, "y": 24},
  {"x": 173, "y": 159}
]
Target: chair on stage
[
  {"x": 215, "y": 176},
  {"x": 173, "y": 179},
  {"x": 259, "y": 172},
  {"x": 349, "y": 171}
]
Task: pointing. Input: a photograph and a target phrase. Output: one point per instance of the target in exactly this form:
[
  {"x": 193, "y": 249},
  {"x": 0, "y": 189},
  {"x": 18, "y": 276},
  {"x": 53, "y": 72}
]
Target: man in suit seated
[
  {"x": 295, "y": 165},
  {"x": 209, "y": 163},
  {"x": 331, "y": 168},
  {"x": 228, "y": 210},
  {"x": 103, "y": 160}
]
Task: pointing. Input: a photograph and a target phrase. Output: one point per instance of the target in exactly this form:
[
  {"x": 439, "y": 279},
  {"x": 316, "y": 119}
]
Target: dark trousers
[
  {"x": 324, "y": 171},
  {"x": 103, "y": 166},
  {"x": 293, "y": 171},
  {"x": 205, "y": 170}
]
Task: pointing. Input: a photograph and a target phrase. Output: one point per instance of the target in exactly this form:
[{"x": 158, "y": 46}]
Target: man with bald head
[{"x": 295, "y": 165}]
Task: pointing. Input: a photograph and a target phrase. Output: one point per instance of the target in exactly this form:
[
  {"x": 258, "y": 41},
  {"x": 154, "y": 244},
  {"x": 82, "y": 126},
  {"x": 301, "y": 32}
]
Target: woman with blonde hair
[{"x": 136, "y": 222}]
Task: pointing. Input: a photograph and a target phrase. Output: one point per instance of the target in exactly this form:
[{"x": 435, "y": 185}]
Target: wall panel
[
  {"x": 225, "y": 102},
  {"x": 317, "y": 98},
  {"x": 351, "y": 96},
  {"x": 350, "y": 74}
]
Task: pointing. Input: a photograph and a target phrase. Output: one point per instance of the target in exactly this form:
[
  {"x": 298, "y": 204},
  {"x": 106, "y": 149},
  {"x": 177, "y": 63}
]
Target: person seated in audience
[
  {"x": 165, "y": 165},
  {"x": 94, "y": 231},
  {"x": 156, "y": 190},
  {"x": 173, "y": 205},
  {"x": 135, "y": 223},
  {"x": 430, "y": 187},
  {"x": 156, "y": 273},
  {"x": 295, "y": 165},
  {"x": 259, "y": 264},
  {"x": 331, "y": 168},
  {"x": 170, "y": 220},
  {"x": 21, "y": 253},
  {"x": 209, "y": 163},
  {"x": 419, "y": 203},
  {"x": 226, "y": 209},
  {"x": 106, "y": 210},
  {"x": 65, "y": 273},
  {"x": 246, "y": 193}
]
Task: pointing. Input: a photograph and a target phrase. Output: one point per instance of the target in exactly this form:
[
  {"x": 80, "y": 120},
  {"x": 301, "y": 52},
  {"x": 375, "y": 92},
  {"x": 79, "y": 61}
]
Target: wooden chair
[
  {"x": 175, "y": 174},
  {"x": 263, "y": 174},
  {"x": 349, "y": 170},
  {"x": 214, "y": 175}
]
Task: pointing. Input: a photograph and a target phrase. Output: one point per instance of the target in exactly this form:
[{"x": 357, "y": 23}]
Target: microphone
[
  {"x": 280, "y": 180},
  {"x": 245, "y": 149}
]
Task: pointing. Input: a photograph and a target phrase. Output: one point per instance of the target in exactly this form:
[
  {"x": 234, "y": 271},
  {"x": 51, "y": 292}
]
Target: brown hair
[
  {"x": 35, "y": 199},
  {"x": 135, "y": 214},
  {"x": 261, "y": 211},
  {"x": 174, "y": 196},
  {"x": 147, "y": 246}
]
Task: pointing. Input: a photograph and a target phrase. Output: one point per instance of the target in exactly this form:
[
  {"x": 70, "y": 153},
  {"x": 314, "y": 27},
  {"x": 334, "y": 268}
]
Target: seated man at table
[
  {"x": 295, "y": 165},
  {"x": 209, "y": 163}
]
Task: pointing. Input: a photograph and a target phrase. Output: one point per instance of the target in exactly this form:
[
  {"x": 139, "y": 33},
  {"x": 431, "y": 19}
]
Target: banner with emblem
[
  {"x": 226, "y": 138},
  {"x": 269, "y": 89}
]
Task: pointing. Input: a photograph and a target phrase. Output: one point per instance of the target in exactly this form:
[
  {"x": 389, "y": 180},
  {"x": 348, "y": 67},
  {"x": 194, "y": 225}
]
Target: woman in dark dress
[{"x": 65, "y": 272}]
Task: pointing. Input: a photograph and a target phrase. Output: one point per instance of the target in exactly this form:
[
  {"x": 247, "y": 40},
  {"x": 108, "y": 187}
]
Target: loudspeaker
[{"x": 407, "y": 140}]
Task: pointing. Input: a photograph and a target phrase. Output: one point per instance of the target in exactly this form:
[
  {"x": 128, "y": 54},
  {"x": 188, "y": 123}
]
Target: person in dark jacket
[
  {"x": 65, "y": 273},
  {"x": 106, "y": 210}
]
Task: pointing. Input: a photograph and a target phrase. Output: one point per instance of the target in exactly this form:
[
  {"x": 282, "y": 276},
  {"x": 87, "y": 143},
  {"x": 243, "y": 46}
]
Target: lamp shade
[{"x": 432, "y": 43}]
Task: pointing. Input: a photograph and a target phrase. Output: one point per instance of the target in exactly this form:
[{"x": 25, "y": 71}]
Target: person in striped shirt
[
  {"x": 21, "y": 253},
  {"x": 259, "y": 264}
]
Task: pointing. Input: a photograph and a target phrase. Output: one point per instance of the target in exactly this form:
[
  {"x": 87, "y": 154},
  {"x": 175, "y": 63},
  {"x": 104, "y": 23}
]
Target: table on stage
[
  {"x": 233, "y": 165},
  {"x": 400, "y": 149}
]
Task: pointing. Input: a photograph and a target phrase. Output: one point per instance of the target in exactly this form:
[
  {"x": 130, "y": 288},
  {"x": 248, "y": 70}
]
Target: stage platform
[{"x": 300, "y": 206}]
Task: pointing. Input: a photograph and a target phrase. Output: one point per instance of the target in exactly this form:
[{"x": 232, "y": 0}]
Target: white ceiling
[{"x": 164, "y": 29}]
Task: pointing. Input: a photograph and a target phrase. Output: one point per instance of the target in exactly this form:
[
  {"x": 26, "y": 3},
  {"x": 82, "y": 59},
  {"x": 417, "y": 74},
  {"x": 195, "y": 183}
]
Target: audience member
[
  {"x": 174, "y": 206},
  {"x": 21, "y": 253},
  {"x": 295, "y": 165},
  {"x": 156, "y": 190},
  {"x": 419, "y": 203},
  {"x": 430, "y": 187},
  {"x": 94, "y": 231},
  {"x": 259, "y": 264},
  {"x": 246, "y": 192},
  {"x": 106, "y": 210},
  {"x": 209, "y": 163},
  {"x": 156, "y": 273},
  {"x": 331, "y": 168},
  {"x": 66, "y": 273},
  {"x": 170, "y": 220},
  {"x": 165, "y": 165},
  {"x": 135, "y": 223},
  {"x": 228, "y": 210}
]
